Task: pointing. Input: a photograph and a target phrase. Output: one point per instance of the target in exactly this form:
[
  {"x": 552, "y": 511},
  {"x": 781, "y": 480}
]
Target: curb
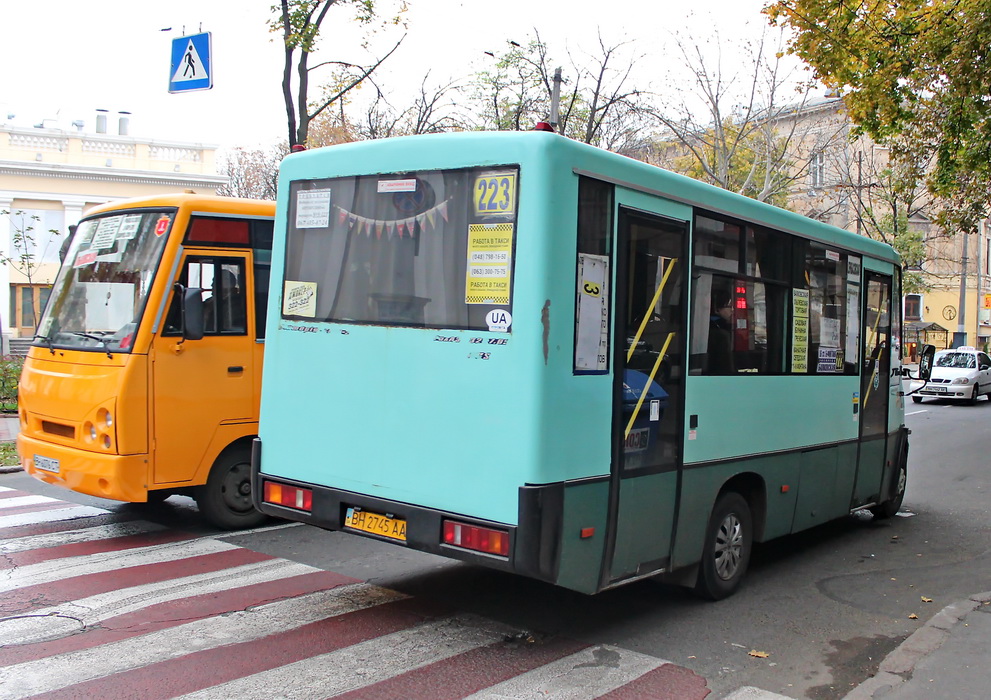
[
  {"x": 898, "y": 666},
  {"x": 11, "y": 469}
]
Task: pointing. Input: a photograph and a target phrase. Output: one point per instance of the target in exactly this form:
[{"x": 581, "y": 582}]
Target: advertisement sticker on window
[
  {"x": 299, "y": 299},
  {"x": 800, "y": 330},
  {"x": 490, "y": 258}
]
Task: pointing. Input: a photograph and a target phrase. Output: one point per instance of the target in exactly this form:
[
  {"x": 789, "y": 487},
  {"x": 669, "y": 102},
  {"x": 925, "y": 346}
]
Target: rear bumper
[
  {"x": 534, "y": 547},
  {"x": 117, "y": 477}
]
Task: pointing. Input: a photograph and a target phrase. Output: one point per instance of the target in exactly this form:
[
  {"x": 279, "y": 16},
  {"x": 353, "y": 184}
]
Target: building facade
[{"x": 49, "y": 178}]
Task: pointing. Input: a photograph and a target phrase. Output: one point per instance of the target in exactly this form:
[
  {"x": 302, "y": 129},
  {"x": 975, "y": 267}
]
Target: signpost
[{"x": 192, "y": 63}]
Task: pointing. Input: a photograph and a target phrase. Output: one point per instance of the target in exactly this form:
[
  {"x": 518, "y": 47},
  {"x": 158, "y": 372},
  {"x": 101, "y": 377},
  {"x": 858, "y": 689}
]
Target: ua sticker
[{"x": 499, "y": 320}]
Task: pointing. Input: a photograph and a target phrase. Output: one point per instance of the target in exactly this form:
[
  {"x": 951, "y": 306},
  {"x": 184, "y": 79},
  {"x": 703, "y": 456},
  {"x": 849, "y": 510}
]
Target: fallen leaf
[
  {"x": 759, "y": 654},
  {"x": 913, "y": 616},
  {"x": 926, "y": 600}
]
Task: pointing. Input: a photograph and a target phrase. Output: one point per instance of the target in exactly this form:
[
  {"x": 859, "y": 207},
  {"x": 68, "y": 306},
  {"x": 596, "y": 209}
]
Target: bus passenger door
[
  {"x": 648, "y": 388},
  {"x": 200, "y": 384},
  {"x": 874, "y": 388}
]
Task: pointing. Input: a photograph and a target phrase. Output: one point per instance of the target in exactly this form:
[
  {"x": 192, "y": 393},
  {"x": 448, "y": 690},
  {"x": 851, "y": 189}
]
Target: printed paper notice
[
  {"x": 106, "y": 233},
  {"x": 800, "y": 330},
  {"x": 592, "y": 335},
  {"x": 490, "y": 259},
  {"x": 313, "y": 208},
  {"x": 299, "y": 299},
  {"x": 129, "y": 227}
]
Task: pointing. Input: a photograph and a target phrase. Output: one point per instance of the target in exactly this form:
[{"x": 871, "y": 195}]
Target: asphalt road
[{"x": 825, "y": 606}]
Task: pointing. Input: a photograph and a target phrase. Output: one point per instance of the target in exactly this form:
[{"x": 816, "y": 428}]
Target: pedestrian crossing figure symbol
[{"x": 191, "y": 63}]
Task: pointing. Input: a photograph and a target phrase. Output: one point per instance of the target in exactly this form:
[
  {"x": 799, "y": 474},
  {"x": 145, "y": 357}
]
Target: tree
[
  {"x": 251, "y": 173},
  {"x": 752, "y": 129},
  {"x": 598, "y": 105},
  {"x": 915, "y": 76},
  {"x": 299, "y": 22},
  {"x": 23, "y": 256}
]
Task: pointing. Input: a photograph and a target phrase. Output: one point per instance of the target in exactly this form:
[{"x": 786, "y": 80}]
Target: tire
[
  {"x": 727, "y": 547},
  {"x": 889, "y": 508},
  {"x": 973, "y": 397},
  {"x": 225, "y": 499},
  {"x": 157, "y": 497},
  {"x": 918, "y": 399}
]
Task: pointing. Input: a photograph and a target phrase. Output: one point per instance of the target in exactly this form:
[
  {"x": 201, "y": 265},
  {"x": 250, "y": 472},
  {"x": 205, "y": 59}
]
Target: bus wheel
[
  {"x": 157, "y": 497},
  {"x": 225, "y": 499},
  {"x": 889, "y": 508},
  {"x": 726, "y": 553}
]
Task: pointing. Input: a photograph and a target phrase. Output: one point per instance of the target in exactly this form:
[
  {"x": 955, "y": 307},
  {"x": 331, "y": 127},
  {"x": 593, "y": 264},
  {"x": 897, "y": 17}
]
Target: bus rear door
[{"x": 649, "y": 384}]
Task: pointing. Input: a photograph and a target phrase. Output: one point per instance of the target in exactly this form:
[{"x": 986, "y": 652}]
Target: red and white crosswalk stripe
[{"x": 91, "y": 607}]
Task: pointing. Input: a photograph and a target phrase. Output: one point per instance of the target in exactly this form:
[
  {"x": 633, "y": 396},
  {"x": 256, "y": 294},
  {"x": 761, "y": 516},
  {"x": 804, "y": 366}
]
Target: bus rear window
[{"x": 430, "y": 249}]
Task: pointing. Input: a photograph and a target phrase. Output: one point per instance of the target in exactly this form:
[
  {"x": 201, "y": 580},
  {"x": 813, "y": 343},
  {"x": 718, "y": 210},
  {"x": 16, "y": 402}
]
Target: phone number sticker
[{"x": 495, "y": 193}]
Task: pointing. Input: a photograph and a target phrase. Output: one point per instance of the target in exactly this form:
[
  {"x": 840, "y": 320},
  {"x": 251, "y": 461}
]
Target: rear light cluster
[
  {"x": 480, "y": 539},
  {"x": 288, "y": 496}
]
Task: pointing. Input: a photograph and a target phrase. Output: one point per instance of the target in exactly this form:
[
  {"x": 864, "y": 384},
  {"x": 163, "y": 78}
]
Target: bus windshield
[{"x": 100, "y": 292}]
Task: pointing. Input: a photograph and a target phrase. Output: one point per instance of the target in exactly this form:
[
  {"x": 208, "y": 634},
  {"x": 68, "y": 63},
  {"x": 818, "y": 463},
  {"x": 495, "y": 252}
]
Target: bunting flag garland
[{"x": 362, "y": 224}]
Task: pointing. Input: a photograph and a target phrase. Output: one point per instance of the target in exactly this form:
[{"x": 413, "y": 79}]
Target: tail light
[
  {"x": 288, "y": 496},
  {"x": 479, "y": 539}
]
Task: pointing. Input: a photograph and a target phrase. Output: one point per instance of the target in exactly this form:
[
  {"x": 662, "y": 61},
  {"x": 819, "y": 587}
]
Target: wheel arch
[{"x": 753, "y": 488}]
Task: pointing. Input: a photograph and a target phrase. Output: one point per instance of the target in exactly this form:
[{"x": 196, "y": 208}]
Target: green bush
[{"x": 10, "y": 374}]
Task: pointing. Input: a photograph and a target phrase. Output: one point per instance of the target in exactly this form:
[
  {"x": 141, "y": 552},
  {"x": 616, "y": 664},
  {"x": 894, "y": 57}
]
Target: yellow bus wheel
[{"x": 225, "y": 499}]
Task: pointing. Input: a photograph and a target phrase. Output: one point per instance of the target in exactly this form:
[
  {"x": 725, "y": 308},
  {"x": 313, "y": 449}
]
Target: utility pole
[
  {"x": 556, "y": 99},
  {"x": 960, "y": 337}
]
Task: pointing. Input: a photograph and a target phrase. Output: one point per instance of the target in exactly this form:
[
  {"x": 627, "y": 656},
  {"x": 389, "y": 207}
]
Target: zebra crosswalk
[{"x": 95, "y": 605}]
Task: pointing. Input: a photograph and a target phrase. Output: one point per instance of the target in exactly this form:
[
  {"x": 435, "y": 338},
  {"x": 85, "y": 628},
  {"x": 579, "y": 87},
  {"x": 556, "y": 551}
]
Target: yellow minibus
[{"x": 144, "y": 377}]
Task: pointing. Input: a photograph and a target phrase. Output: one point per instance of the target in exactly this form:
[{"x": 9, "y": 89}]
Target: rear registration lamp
[
  {"x": 288, "y": 496},
  {"x": 480, "y": 539}
]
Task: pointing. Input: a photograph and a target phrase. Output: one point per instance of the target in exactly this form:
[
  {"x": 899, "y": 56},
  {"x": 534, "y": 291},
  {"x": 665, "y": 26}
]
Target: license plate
[
  {"x": 376, "y": 524},
  {"x": 46, "y": 464},
  {"x": 938, "y": 389}
]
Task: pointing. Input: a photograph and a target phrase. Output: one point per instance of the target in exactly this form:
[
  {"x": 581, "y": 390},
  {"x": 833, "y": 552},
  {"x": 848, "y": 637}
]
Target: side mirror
[
  {"x": 926, "y": 362},
  {"x": 192, "y": 312}
]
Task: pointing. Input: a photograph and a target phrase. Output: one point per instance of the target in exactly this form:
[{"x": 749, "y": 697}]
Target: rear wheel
[
  {"x": 726, "y": 552},
  {"x": 889, "y": 508},
  {"x": 225, "y": 499}
]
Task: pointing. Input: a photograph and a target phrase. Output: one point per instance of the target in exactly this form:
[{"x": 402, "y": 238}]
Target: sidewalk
[
  {"x": 948, "y": 657},
  {"x": 10, "y": 425}
]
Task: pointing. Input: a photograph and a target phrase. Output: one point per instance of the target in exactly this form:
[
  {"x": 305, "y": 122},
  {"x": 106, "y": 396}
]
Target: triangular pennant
[{"x": 442, "y": 207}]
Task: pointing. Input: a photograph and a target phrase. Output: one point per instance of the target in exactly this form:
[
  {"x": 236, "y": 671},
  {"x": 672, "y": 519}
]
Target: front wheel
[
  {"x": 225, "y": 499},
  {"x": 918, "y": 399},
  {"x": 726, "y": 552},
  {"x": 889, "y": 508},
  {"x": 973, "y": 396}
]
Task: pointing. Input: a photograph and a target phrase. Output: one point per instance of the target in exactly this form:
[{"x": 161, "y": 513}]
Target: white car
[{"x": 963, "y": 374}]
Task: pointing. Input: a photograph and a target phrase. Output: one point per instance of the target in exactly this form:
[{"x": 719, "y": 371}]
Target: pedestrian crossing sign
[{"x": 192, "y": 61}]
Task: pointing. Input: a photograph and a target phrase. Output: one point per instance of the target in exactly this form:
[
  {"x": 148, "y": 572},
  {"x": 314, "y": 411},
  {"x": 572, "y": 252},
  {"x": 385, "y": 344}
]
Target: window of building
[
  {"x": 913, "y": 307},
  {"x": 817, "y": 169}
]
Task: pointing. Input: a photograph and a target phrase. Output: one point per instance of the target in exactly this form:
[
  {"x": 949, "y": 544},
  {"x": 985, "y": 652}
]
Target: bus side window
[{"x": 224, "y": 302}]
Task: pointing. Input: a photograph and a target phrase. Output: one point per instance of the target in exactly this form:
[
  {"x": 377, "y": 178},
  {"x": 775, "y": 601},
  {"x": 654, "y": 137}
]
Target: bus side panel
[
  {"x": 581, "y": 554},
  {"x": 872, "y": 459},
  {"x": 740, "y": 416},
  {"x": 562, "y": 533}
]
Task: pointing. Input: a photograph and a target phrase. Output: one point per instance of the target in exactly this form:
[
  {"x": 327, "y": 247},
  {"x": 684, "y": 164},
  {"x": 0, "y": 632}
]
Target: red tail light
[
  {"x": 480, "y": 539},
  {"x": 288, "y": 496}
]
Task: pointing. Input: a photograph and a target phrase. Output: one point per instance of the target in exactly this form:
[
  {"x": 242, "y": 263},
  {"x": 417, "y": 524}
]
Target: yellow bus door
[{"x": 201, "y": 385}]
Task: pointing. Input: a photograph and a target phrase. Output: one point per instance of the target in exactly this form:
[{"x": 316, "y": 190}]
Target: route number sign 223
[{"x": 495, "y": 193}]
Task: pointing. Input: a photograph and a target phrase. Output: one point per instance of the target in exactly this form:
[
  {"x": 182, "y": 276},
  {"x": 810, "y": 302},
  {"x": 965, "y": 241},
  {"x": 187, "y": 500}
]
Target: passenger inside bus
[{"x": 720, "y": 348}]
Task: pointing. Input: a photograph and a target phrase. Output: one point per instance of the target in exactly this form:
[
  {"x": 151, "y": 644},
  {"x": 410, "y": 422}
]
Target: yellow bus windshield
[{"x": 103, "y": 286}]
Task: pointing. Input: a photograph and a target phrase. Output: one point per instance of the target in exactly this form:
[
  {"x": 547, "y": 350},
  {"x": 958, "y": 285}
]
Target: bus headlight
[{"x": 106, "y": 418}]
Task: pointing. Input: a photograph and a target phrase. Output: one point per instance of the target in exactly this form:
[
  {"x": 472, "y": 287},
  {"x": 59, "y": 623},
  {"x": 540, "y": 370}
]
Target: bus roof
[
  {"x": 198, "y": 202},
  {"x": 464, "y": 149}
]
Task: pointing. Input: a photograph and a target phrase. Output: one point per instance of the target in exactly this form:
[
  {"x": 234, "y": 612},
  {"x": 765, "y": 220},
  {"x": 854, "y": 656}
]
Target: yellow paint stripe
[
  {"x": 646, "y": 386},
  {"x": 650, "y": 309}
]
